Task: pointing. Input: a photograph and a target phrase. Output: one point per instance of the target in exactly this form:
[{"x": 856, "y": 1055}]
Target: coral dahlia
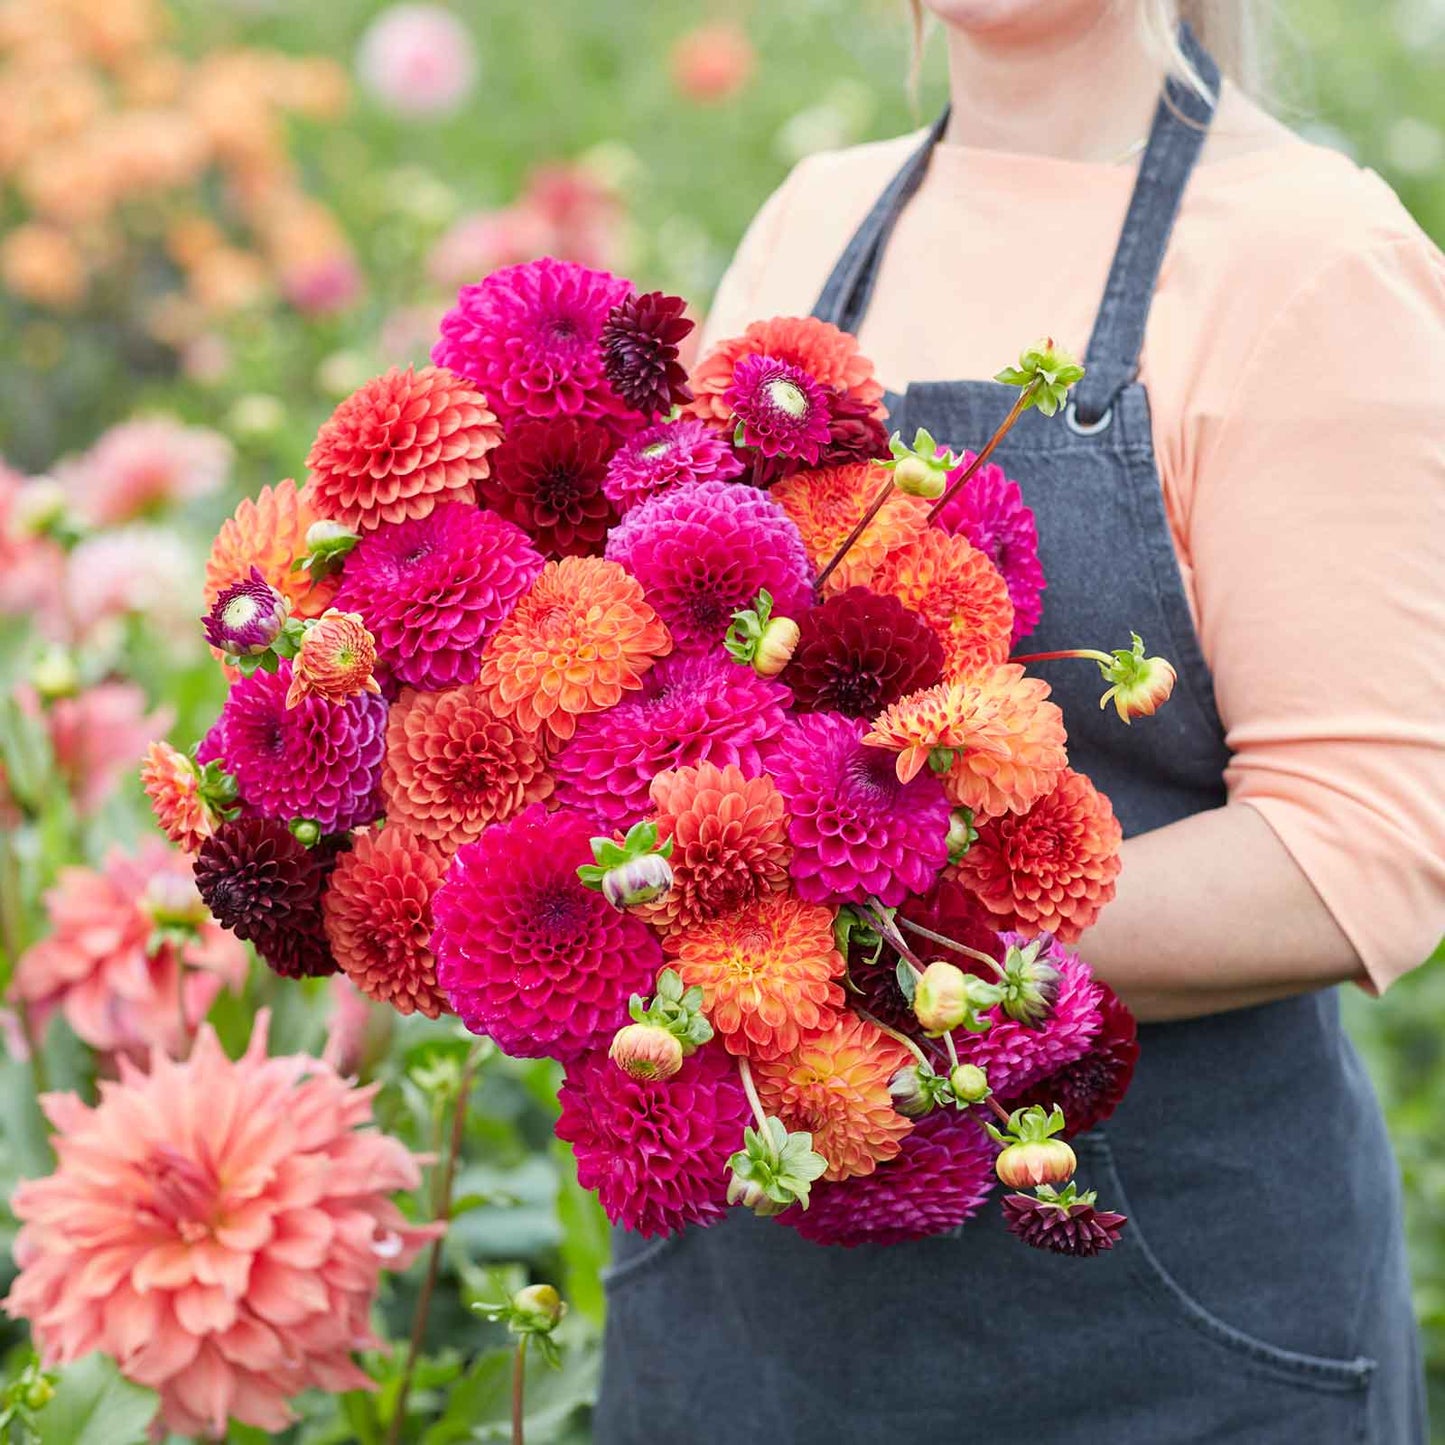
[
  {"x": 172, "y": 782},
  {"x": 379, "y": 918},
  {"x": 703, "y": 552},
  {"x": 218, "y": 1229},
  {"x": 655, "y": 1150},
  {"x": 768, "y": 973},
  {"x": 835, "y": 1085},
  {"x": 640, "y": 352},
  {"x": 664, "y": 456},
  {"x": 453, "y": 766},
  {"x": 432, "y": 590},
  {"x": 528, "y": 955},
  {"x": 399, "y": 445},
  {"x": 1051, "y": 869},
  {"x": 581, "y": 637},
  {"x": 335, "y": 661}
]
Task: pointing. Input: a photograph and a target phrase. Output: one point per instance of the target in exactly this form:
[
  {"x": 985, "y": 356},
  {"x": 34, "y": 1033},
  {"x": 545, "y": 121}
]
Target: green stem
[
  {"x": 1087, "y": 652},
  {"x": 874, "y": 508},
  {"x": 894, "y": 1034},
  {"x": 963, "y": 948},
  {"x": 519, "y": 1386},
  {"x": 12, "y": 940},
  {"x": 1025, "y": 400},
  {"x": 999, "y": 1111},
  {"x": 889, "y": 930},
  {"x": 751, "y": 1090},
  {"x": 952, "y": 1051}
]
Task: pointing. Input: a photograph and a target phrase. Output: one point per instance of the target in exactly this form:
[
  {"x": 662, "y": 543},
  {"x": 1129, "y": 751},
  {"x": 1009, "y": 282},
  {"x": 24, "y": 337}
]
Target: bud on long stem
[{"x": 1025, "y": 400}]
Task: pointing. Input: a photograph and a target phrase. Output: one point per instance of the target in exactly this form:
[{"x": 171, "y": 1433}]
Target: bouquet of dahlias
[{"x": 666, "y": 726}]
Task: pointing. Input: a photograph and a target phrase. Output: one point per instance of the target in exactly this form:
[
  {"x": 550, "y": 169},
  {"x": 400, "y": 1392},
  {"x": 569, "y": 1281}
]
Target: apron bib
[{"x": 1259, "y": 1295}]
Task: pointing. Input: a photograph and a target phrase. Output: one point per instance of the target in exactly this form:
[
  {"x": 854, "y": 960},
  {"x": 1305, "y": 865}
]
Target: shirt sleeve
[{"x": 1317, "y": 534}]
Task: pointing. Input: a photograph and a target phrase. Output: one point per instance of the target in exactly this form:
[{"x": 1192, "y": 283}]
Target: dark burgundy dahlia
[
  {"x": 640, "y": 352},
  {"x": 1076, "y": 1228}
]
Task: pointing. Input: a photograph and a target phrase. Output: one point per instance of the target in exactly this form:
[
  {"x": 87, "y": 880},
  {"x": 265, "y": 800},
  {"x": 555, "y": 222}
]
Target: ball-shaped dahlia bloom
[
  {"x": 130, "y": 948},
  {"x": 655, "y": 1150},
  {"x": 378, "y": 915},
  {"x": 670, "y": 454},
  {"x": 859, "y": 652},
  {"x": 1051, "y": 869},
  {"x": 989, "y": 510},
  {"x": 548, "y": 478},
  {"x": 581, "y": 638},
  {"x": 336, "y": 659},
  {"x": 319, "y": 760},
  {"x": 268, "y": 532},
  {"x": 530, "y": 337},
  {"x": 856, "y": 830},
  {"x": 432, "y": 590},
  {"x": 218, "y": 1229},
  {"x": 780, "y": 410},
  {"x": 640, "y": 352},
  {"x": 399, "y": 445},
  {"x": 958, "y": 592},
  {"x": 703, "y": 552},
  {"x": 528, "y": 955},
  {"x": 835, "y": 1086},
  {"x": 828, "y": 502},
  {"x": 246, "y": 617},
  {"x": 729, "y": 838},
  {"x": 1006, "y": 738},
  {"x": 768, "y": 973},
  {"x": 940, "y": 1177},
  {"x": 692, "y": 708},
  {"x": 453, "y": 766}
]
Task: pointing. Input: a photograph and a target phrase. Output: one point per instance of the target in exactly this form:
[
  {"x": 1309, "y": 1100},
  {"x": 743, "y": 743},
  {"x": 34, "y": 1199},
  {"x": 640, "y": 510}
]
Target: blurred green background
[{"x": 316, "y": 240}]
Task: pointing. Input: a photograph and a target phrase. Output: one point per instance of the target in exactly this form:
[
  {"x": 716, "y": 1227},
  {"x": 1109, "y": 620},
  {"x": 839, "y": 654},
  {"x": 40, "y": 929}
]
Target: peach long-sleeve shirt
[{"x": 1295, "y": 363}]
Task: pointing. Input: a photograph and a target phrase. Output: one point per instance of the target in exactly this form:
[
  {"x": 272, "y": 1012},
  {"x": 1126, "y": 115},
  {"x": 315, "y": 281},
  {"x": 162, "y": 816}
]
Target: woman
[{"x": 1252, "y": 475}]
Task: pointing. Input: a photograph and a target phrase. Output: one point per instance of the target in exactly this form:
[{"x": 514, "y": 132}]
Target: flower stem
[
  {"x": 519, "y": 1386},
  {"x": 894, "y": 1034},
  {"x": 874, "y": 507},
  {"x": 1000, "y": 1113},
  {"x": 1087, "y": 652},
  {"x": 889, "y": 930},
  {"x": 751, "y": 1090},
  {"x": 952, "y": 1051},
  {"x": 441, "y": 1210},
  {"x": 963, "y": 948},
  {"x": 1025, "y": 400}
]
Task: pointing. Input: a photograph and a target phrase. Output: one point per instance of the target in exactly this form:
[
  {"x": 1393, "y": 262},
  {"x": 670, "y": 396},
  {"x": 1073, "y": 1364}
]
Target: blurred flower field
[{"x": 217, "y": 218}]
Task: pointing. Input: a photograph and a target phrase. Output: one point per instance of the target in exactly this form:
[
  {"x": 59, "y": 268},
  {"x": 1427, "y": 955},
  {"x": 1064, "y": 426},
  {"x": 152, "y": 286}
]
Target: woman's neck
[{"x": 1083, "y": 95}]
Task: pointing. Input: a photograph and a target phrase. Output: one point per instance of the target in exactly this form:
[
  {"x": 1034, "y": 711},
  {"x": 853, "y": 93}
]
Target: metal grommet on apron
[{"x": 1242, "y": 1304}]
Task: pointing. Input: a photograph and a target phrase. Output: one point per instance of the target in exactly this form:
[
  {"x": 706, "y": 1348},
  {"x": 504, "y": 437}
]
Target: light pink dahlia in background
[
  {"x": 417, "y": 60},
  {"x": 218, "y": 1229},
  {"x": 100, "y": 735}
]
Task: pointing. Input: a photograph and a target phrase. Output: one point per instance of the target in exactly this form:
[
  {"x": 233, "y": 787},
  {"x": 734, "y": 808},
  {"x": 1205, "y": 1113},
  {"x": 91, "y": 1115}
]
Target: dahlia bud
[
  {"x": 246, "y": 618},
  {"x": 775, "y": 646},
  {"x": 537, "y": 1308},
  {"x": 638, "y": 881},
  {"x": 750, "y": 1194},
  {"x": 335, "y": 659},
  {"x": 911, "y": 1092},
  {"x": 760, "y": 639},
  {"x": 39, "y": 1392},
  {"x": 327, "y": 544},
  {"x": 646, "y": 1051},
  {"x": 1030, "y": 984},
  {"x": 1140, "y": 685},
  {"x": 1044, "y": 374},
  {"x": 969, "y": 1084},
  {"x": 306, "y": 831},
  {"x": 940, "y": 997},
  {"x": 961, "y": 833},
  {"x": 922, "y": 469},
  {"x": 1039, "y": 1161}
]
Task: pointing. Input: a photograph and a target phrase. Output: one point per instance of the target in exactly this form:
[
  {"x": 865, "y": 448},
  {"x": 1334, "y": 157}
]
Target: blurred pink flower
[
  {"x": 417, "y": 60},
  {"x": 105, "y": 967},
  {"x": 99, "y": 736},
  {"x": 407, "y": 332},
  {"x": 30, "y": 567},
  {"x": 357, "y": 1029},
  {"x": 138, "y": 570},
  {"x": 484, "y": 241},
  {"x": 142, "y": 466},
  {"x": 219, "y": 1230},
  {"x": 323, "y": 285},
  {"x": 712, "y": 63}
]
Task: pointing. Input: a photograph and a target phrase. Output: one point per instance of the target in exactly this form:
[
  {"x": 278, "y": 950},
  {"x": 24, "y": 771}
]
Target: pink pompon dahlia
[
  {"x": 704, "y": 551},
  {"x": 528, "y": 955},
  {"x": 856, "y": 830},
  {"x": 432, "y": 590},
  {"x": 530, "y": 336},
  {"x": 990, "y": 512},
  {"x": 316, "y": 759},
  {"x": 219, "y": 1230},
  {"x": 692, "y": 708},
  {"x": 405, "y": 441},
  {"x": 779, "y": 409},
  {"x": 378, "y": 916},
  {"x": 667, "y": 455},
  {"x": 128, "y": 942},
  {"x": 656, "y": 1150},
  {"x": 940, "y": 1177}
]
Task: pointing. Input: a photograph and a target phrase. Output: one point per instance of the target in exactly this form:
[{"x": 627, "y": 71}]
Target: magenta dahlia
[
  {"x": 530, "y": 337},
  {"x": 640, "y": 352},
  {"x": 855, "y": 829},
  {"x": 431, "y": 590},
  {"x": 703, "y": 552},
  {"x": 319, "y": 760},
  {"x": 548, "y": 477},
  {"x": 656, "y": 1151},
  {"x": 940, "y": 1176},
  {"x": 855, "y": 434},
  {"x": 779, "y": 409},
  {"x": 528, "y": 955},
  {"x": 990, "y": 511},
  {"x": 692, "y": 708},
  {"x": 664, "y": 456},
  {"x": 859, "y": 652}
]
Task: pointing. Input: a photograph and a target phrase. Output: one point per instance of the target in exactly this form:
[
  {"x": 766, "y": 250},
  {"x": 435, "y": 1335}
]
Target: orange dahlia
[
  {"x": 958, "y": 592},
  {"x": 379, "y": 920},
  {"x": 172, "y": 782},
  {"x": 399, "y": 445},
  {"x": 827, "y": 503},
  {"x": 453, "y": 766},
  {"x": 835, "y": 1085},
  {"x": 1051, "y": 869},
  {"x": 827, "y": 354},
  {"x": 335, "y": 661},
  {"x": 580, "y": 637},
  {"x": 269, "y": 533},
  {"x": 1006, "y": 737},
  {"x": 730, "y": 842},
  {"x": 768, "y": 973}
]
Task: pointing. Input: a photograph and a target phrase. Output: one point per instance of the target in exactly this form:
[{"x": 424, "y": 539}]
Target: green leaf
[
  {"x": 95, "y": 1404},
  {"x": 669, "y": 985},
  {"x": 907, "y": 983}
]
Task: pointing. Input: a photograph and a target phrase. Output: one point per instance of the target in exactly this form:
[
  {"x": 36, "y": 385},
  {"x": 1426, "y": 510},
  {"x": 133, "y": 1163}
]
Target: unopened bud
[
  {"x": 537, "y": 1308},
  {"x": 306, "y": 831},
  {"x": 969, "y": 1084},
  {"x": 639, "y": 880},
  {"x": 917, "y": 478},
  {"x": 775, "y": 647},
  {"x": 1030, "y": 984},
  {"x": 39, "y": 1392},
  {"x": 646, "y": 1051},
  {"x": 749, "y": 1194},
  {"x": 940, "y": 997},
  {"x": 961, "y": 833},
  {"x": 910, "y": 1092},
  {"x": 1038, "y": 1161}
]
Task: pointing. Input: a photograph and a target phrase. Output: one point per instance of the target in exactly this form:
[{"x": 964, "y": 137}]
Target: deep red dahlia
[
  {"x": 1078, "y": 1229},
  {"x": 640, "y": 352}
]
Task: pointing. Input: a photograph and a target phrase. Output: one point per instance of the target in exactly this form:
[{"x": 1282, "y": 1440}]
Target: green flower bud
[
  {"x": 537, "y": 1309},
  {"x": 646, "y": 1051},
  {"x": 775, "y": 647},
  {"x": 969, "y": 1084},
  {"x": 909, "y": 1088},
  {"x": 941, "y": 998}
]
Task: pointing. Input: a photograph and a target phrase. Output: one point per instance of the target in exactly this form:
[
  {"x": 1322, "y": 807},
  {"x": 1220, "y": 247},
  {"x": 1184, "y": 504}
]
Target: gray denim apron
[{"x": 1259, "y": 1295}]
